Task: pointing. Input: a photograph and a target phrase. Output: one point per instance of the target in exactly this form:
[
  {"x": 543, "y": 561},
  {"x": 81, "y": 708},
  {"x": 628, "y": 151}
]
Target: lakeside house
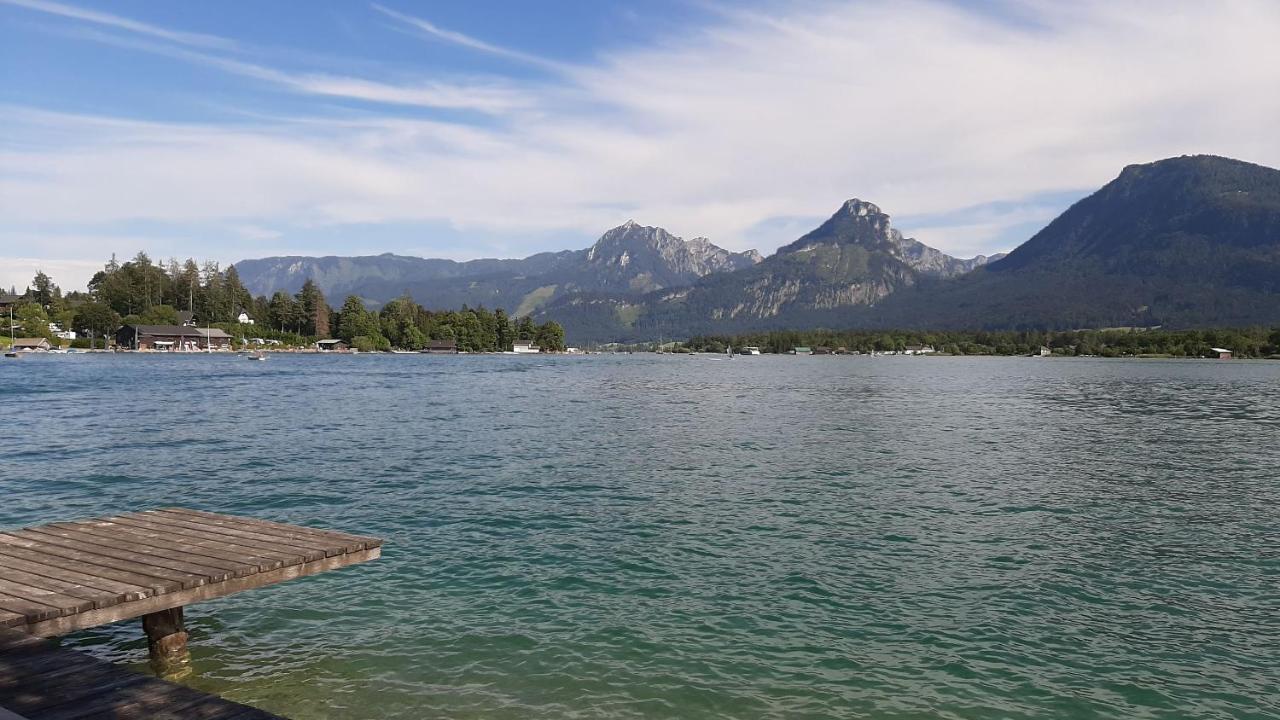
[
  {"x": 172, "y": 338},
  {"x": 801, "y": 350},
  {"x": 1223, "y": 353},
  {"x": 918, "y": 350},
  {"x": 1045, "y": 351},
  {"x": 61, "y": 334},
  {"x": 244, "y": 319},
  {"x": 441, "y": 347},
  {"x": 186, "y": 318},
  {"x": 525, "y": 348},
  {"x": 31, "y": 345},
  {"x": 331, "y": 345}
]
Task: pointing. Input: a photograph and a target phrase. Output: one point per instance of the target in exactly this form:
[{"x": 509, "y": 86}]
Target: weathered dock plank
[
  {"x": 248, "y": 539},
  {"x": 202, "y": 540},
  {"x": 40, "y": 681},
  {"x": 127, "y": 591},
  {"x": 57, "y": 553}
]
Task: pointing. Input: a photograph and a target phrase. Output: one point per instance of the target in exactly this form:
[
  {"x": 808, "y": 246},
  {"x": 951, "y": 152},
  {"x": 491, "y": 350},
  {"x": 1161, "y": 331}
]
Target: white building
[
  {"x": 58, "y": 332},
  {"x": 918, "y": 350},
  {"x": 525, "y": 348},
  {"x": 244, "y": 319}
]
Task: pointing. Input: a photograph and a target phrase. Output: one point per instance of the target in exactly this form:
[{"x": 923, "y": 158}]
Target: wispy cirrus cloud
[
  {"x": 486, "y": 96},
  {"x": 118, "y": 22},
  {"x": 462, "y": 40}
]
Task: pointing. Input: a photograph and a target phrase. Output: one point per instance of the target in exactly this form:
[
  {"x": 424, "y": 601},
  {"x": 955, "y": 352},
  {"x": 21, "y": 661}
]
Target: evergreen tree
[
  {"x": 239, "y": 298},
  {"x": 43, "y": 290},
  {"x": 315, "y": 311},
  {"x": 502, "y": 327}
]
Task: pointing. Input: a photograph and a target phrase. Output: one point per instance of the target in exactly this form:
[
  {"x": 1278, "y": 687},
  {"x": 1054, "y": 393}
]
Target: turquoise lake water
[{"x": 696, "y": 537}]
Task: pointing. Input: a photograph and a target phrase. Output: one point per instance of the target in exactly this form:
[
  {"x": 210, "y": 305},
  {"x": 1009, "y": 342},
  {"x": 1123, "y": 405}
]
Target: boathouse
[
  {"x": 331, "y": 345},
  {"x": 1223, "y": 353},
  {"x": 29, "y": 344},
  {"x": 171, "y": 338},
  {"x": 441, "y": 347}
]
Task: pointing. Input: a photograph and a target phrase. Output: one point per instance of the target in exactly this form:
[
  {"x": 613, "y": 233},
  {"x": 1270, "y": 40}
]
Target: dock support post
[{"x": 167, "y": 641}]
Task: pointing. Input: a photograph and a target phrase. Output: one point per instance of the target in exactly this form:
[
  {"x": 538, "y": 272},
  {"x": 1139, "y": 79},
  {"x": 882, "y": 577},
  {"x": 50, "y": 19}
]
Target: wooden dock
[{"x": 68, "y": 576}]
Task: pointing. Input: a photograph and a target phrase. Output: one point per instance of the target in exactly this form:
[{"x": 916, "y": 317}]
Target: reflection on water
[{"x": 640, "y": 536}]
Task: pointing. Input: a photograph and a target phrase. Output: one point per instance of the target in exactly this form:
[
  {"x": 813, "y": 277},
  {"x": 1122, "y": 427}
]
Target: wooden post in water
[{"x": 167, "y": 642}]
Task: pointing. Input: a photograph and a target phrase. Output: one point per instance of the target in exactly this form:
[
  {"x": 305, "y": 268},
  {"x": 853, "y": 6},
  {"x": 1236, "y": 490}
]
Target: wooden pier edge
[{"x": 180, "y": 598}]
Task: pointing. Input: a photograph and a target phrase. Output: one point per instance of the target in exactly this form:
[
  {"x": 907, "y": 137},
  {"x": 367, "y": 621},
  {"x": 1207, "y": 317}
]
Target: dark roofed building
[
  {"x": 441, "y": 347},
  {"x": 172, "y": 338},
  {"x": 331, "y": 345},
  {"x": 9, "y": 301},
  {"x": 186, "y": 318}
]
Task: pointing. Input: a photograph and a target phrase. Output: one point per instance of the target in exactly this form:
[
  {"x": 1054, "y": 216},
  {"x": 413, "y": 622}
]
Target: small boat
[
  {"x": 750, "y": 350},
  {"x": 257, "y": 355},
  {"x": 12, "y": 354}
]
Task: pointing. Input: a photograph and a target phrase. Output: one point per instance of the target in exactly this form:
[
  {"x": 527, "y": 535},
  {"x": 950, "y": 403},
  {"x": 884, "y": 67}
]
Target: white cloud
[
  {"x": 922, "y": 107},
  {"x": 456, "y": 38}
]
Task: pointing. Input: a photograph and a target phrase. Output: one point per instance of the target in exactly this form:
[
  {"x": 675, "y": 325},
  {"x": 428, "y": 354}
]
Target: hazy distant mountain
[
  {"x": 370, "y": 276},
  {"x": 629, "y": 259}
]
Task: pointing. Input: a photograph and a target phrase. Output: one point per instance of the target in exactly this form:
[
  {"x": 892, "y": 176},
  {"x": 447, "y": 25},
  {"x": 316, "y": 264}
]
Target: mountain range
[
  {"x": 1187, "y": 241},
  {"x": 630, "y": 259}
]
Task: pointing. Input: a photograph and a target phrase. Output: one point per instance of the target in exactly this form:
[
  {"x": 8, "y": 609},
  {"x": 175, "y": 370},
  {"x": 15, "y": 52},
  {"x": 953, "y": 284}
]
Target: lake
[{"x": 696, "y": 537}]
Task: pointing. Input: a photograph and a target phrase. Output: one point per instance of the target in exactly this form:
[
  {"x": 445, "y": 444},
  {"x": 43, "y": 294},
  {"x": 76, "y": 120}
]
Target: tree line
[
  {"x": 403, "y": 323},
  {"x": 1255, "y": 342},
  {"x": 142, "y": 292}
]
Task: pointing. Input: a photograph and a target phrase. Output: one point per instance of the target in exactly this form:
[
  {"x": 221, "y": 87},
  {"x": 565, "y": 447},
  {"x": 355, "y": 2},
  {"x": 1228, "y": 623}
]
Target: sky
[{"x": 242, "y": 129}]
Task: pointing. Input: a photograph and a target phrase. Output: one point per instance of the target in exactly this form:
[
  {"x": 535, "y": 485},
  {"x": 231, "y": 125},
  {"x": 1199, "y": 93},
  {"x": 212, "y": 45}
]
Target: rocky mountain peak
[
  {"x": 863, "y": 224},
  {"x": 858, "y": 208},
  {"x": 651, "y": 258},
  {"x": 856, "y": 222}
]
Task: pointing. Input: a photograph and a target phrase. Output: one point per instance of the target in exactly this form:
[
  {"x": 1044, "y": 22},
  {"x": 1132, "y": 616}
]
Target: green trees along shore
[
  {"x": 1255, "y": 342},
  {"x": 147, "y": 293}
]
